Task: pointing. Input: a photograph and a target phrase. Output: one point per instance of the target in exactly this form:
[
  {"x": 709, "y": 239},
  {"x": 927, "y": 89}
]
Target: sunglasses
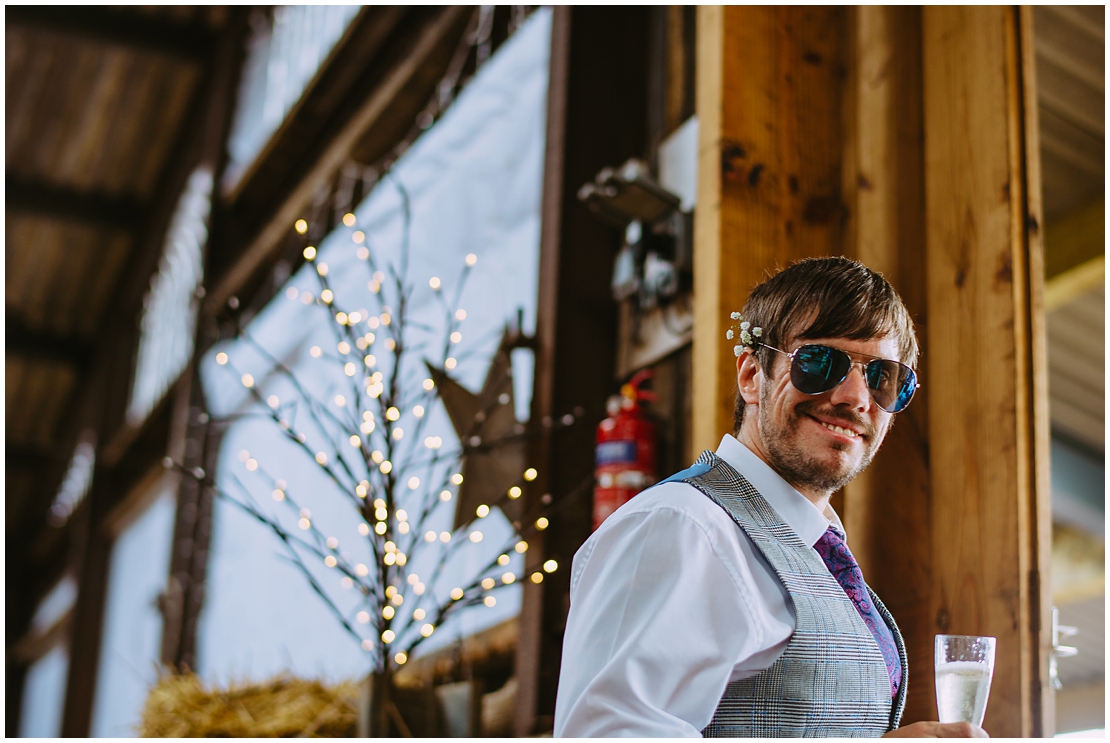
[{"x": 815, "y": 369}]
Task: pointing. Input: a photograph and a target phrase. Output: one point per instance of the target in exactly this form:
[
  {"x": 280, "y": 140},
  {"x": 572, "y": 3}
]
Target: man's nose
[{"x": 853, "y": 391}]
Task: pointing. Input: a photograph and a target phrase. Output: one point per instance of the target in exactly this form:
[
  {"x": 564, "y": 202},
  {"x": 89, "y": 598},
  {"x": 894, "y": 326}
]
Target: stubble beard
[{"x": 797, "y": 465}]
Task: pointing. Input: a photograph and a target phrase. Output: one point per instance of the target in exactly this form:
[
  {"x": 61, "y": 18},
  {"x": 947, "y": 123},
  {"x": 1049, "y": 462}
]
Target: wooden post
[
  {"x": 884, "y": 187},
  {"x": 594, "y": 120},
  {"x": 92, "y": 582},
  {"x": 770, "y": 80},
  {"x": 988, "y": 428},
  {"x": 905, "y": 138},
  {"x": 190, "y": 443},
  {"x": 529, "y": 650}
]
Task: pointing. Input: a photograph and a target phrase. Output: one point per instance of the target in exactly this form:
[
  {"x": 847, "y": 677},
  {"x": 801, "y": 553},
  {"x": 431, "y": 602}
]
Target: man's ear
[{"x": 748, "y": 377}]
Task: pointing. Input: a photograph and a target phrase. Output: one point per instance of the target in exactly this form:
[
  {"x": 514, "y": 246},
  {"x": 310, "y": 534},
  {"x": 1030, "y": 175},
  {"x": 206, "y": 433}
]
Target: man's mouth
[
  {"x": 839, "y": 429},
  {"x": 856, "y": 430}
]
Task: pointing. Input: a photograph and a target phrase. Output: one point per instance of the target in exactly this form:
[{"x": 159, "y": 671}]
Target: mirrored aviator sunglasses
[{"x": 816, "y": 369}]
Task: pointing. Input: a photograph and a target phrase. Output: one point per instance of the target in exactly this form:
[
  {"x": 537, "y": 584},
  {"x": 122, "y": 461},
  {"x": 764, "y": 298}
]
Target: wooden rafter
[
  {"x": 30, "y": 453},
  {"x": 1075, "y": 238},
  {"x": 190, "y": 41},
  {"x": 261, "y": 228},
  {"x": 100, "y": 396},
  {"x": 42, "y": 199},
  {"x": 43, "y": 345}
]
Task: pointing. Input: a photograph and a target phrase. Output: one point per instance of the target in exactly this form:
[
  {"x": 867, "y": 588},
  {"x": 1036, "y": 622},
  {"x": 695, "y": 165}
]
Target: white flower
[
  {"x": 745, "y": 325},
  {"x": 736, "y": 350},
  {"x": 735, "y": 315},
  {"x": 745, "y": 337},
  {"x": 729, "y": 334},
  {"x": 757, "y": 332}
]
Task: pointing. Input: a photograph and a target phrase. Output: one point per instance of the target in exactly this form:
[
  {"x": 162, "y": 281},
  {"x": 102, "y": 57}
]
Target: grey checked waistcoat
[{"x": 831, "y": 680}]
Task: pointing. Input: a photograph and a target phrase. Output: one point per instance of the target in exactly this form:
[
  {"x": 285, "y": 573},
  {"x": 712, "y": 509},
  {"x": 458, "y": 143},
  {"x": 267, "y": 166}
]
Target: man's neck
[{"x": 748, "y": 435}]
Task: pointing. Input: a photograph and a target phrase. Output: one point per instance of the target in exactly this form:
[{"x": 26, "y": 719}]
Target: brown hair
[{"x": 839, "y": 297}]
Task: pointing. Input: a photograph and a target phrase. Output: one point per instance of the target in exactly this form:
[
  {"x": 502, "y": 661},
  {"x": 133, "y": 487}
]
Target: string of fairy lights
[{"x": 369, "y": 437}]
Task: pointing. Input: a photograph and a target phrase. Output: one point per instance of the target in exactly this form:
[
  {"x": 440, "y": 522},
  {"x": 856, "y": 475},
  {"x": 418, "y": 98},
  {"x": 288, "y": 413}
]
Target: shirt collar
[{"x": 795, "y": 509}]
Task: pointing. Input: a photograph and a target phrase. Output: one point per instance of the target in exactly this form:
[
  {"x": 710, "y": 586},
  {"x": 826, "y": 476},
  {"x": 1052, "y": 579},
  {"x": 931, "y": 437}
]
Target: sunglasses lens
[
  {"x": 906, "y": 389},
  {"x": 892, "y": 384},
  {"x": 817, "y": 369}
]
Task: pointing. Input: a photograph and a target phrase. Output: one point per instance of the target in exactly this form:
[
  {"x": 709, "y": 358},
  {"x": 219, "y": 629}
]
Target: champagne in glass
[{"x": 964, "y": 666}]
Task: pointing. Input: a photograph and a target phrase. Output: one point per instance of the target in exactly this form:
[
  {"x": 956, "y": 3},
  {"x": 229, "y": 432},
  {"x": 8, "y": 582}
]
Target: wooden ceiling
[
  {"x": 1070, "y": 56},
  {"x": 102, "y": 103},
  {"x": 1076, "y": 364},
  {"x": 98, "y": 102},
  {"x": 1070, "y": 52},
  {"x": 107, "y": 112}
]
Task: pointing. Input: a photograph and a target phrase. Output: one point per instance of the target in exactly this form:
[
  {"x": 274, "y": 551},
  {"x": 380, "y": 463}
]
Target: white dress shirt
[{"x": 670, "y": 601}]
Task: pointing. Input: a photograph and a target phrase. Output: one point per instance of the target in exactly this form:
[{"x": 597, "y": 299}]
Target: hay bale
[{"x": 181, "y": 706}]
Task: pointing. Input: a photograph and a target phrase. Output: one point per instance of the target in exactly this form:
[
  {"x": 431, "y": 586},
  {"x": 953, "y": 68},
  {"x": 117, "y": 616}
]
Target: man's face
[{"x": 797, "y": 430}]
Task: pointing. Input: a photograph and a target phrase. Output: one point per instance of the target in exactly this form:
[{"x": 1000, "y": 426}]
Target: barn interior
[{"x": 112, "y": 111}]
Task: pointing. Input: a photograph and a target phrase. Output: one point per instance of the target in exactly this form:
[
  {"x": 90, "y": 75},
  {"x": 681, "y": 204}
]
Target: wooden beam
[
  {"x": 884, "y": 189},
  {"x": 193, "y": 444},
  {"x": 1073, "y": 283},
  {"x": 14, "y": 676},
  {"x": 529, "y": 646},
  {"x": 44, "y": 345},
  {"x": 112, "y": 484},
  {"x": 49, "y": 201},
  {"x": 127, "y": 451},
  {"x": 1075, "y": 238},
  {"x": 769, "y": 170},
  {"x": 1068, "y": 108},
  {"x": 191, "y": 41},
  {"x": 383, "y": 135},
  {"x": 1057, "y": 52},
  {"x": 30, "y": 648},
  {"x": 709, "y": 412},
  {"x": 1078, "y": 19},
  {"x": 950, "y": 522},
  {"x": 88, "y": 611},
  {"x": 576, "y": 319},
  {"x": 30, "y": 453},
  {"x": 988, "y": 423},
  {"x": 326, "y": 94},
  {"x": 193, "y": 519},
  {"x": 282, "y": 215}
]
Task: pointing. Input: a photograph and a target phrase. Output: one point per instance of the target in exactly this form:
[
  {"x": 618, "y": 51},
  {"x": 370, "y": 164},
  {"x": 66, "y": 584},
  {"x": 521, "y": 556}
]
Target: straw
[{"x": 182, "y": 706}]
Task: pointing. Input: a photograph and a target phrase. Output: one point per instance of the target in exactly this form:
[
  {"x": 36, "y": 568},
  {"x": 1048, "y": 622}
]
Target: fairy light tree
[{"x": 370, "y": 439}]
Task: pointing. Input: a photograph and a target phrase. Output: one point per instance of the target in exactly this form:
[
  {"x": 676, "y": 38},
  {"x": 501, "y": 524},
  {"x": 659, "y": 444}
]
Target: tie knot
[
  {"x": 837, "y": 557},
  {"x": 832, "y": 537}
]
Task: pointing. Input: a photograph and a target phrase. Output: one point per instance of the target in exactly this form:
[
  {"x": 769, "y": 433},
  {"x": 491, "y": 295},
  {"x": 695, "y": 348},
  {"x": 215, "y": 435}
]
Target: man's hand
[{"x": 938, "y": 730}]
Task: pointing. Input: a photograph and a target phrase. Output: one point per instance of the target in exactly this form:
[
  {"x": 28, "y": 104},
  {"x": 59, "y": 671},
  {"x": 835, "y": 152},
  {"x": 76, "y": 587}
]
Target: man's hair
[{"x": 838, "y": 298}]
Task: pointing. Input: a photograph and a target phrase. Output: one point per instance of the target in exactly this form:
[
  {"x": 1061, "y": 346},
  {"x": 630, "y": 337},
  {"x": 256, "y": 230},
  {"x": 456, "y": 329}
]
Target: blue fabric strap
[{"x": 696, "y": 470}]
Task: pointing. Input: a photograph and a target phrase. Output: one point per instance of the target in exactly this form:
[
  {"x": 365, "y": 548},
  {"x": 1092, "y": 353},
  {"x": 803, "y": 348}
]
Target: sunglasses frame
[{"x": 851, "y": 364}]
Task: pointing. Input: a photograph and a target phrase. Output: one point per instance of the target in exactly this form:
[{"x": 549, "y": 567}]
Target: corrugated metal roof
[
  {"x": 1077, "y": 368},
  {"x": 1070, "y": 54},
  {"x": 93, "y": 114},
  {"x": 59, "y": 274}
]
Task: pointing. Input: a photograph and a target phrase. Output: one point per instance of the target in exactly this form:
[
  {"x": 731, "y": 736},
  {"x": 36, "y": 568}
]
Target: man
[{"x": 725, "y": 601}]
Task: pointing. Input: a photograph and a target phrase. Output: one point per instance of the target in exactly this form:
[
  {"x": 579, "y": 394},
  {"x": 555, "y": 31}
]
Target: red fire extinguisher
[{"x": 625, "y": 449}]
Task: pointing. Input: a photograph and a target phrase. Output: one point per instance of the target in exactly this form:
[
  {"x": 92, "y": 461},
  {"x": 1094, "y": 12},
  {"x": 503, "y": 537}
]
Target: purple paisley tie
[{"x": 838, "y": 558}]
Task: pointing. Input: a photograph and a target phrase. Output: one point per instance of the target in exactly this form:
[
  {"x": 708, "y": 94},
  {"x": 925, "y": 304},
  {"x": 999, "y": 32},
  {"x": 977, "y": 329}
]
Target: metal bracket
[{"x": 1059, "y": 632}]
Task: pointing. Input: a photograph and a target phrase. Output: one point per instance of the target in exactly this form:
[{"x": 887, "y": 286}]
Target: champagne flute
[{"x": 964, "y": 666}]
